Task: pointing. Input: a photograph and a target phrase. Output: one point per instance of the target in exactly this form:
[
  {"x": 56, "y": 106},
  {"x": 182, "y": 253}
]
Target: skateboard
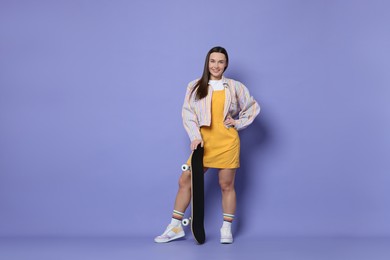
[{"x": 197, "y": 196}]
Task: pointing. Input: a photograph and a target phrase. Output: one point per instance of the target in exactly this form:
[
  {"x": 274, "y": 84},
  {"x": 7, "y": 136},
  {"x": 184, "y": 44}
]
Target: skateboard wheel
[
  {"x": 185, "y": 167},
  {"x": 185, "y": 222}
]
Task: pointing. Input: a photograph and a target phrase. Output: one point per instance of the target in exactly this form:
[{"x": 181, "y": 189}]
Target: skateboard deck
[{"x": 197, "y": 198}]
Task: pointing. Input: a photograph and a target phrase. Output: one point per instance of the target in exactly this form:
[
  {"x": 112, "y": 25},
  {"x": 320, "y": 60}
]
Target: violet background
[{"x": 91, "y": 138}]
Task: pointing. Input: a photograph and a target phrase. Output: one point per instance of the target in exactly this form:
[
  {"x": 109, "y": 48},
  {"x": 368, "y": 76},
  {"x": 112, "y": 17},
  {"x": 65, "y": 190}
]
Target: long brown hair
[{"x": 202, "y": 86}]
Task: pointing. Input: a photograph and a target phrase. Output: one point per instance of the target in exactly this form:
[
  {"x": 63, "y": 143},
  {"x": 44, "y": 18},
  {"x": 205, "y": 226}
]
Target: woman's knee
[
  {"x": 226, "y": 185},
  {"x": 185, "y": 180},
  {"x": 226, "y": 179}
]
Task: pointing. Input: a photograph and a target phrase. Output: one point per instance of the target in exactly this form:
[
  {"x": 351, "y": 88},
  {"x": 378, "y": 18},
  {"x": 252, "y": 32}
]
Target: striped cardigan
[{"x": 239, "y": 104}]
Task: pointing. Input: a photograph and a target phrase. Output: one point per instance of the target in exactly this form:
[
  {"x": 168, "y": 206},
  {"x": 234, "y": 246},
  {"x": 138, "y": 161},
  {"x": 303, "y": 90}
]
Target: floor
[{"x": 243, "y": 248}]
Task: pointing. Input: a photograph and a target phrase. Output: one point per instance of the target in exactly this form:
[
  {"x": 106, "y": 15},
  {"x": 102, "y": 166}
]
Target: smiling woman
[
  {"x": 217, "y": 61},
  {"x": 214, "y": 109},
  {"x": 217, "y": 65}
]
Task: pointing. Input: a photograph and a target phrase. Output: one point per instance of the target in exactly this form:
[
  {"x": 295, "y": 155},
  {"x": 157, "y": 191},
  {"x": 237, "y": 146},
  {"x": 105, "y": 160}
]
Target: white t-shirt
[{"x": 216, "y": 84}]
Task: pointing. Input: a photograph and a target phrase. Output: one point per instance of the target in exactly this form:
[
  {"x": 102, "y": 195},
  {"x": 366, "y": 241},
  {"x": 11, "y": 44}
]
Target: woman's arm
[
  {"x": 190, "y": 119},
  {"x": 248, "y": 105}
]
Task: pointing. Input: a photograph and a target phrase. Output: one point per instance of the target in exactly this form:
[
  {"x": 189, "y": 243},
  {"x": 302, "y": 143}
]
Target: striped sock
[
  {"x": 228, "y": 217},
  {"x": 177, "y": 217}
]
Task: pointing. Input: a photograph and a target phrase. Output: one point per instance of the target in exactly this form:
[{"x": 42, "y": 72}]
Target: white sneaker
[
  {"x": 171, "y": 233},
  {"x": 226, "y": 236}
]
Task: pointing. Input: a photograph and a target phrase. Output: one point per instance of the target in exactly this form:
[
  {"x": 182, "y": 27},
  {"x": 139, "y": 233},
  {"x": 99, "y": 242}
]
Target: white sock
[
  {"x": 227, "y": 224},
  {"x": 175, "y": 222},
  {"x": 177, "y": 217}
]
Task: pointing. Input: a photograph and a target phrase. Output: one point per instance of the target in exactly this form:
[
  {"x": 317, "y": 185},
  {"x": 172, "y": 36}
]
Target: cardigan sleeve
[
  {"x": 190, "y": 119},
  {"x": 249, "y": 108}
]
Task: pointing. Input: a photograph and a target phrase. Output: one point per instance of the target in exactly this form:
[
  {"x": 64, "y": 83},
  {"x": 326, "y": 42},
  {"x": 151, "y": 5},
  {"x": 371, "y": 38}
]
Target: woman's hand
[
  {"x": 195, "y": 143},
  {"x": 229, "y": 122}
]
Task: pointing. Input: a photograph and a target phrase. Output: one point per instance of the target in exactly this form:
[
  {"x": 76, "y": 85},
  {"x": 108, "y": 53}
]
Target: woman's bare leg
[
  {"x": 183, "y": 196},
  {"x": 226, "y": 181}
]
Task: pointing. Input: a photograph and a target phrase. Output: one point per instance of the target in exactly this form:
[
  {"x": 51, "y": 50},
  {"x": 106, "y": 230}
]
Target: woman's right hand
[{"x": 195, "y": 143}]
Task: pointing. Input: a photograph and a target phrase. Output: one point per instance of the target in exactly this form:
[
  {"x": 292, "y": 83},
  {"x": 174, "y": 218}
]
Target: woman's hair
[{"x": 202, "y": 86}]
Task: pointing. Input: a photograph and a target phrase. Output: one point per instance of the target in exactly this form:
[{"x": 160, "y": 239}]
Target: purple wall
[{"x": 91, "y": 139}]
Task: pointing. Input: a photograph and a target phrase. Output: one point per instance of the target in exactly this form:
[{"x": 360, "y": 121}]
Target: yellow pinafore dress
[{"x": 221, "y": 144}]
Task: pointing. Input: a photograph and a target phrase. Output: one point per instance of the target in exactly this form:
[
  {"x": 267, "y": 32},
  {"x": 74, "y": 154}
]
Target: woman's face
[{"x": 217, "y": 65}]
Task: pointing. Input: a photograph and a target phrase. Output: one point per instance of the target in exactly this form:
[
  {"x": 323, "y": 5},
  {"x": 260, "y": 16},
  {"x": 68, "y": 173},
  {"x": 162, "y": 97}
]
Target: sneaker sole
[
  {"x": 226, "y": 241},
  {"x": 180, "y": 235}
]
